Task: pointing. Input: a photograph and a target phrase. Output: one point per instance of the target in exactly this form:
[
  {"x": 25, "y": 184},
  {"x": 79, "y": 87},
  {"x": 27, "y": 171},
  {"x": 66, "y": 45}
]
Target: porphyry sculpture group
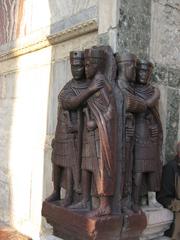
[{"x": 107, "y": 145}]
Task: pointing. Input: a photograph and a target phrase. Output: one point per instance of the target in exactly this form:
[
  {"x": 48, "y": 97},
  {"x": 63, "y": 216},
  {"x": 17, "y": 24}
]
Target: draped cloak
[{"x": 103, "y": 106}]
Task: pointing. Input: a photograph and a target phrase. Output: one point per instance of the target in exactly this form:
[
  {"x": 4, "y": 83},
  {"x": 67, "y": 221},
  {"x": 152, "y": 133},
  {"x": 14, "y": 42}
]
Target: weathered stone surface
[
  {"x": 7, "y": 85},
  {"x": 50, "y": 237},
  {"x": 81, "y": 227},
  {"x": 173, "y": 102},
  {"x": 83, "y": 16},
  {"x": 61, "y": 9},
  {"x": 6, "y": 115},
  {"x": 103, "y": 39},
  {"x": 158, "y": 221},
  {"x": 167, "y": 75},
  {"x": 134, "y": 27},
  {"x": 5, "y": 201},
  {"x": 165, "y": 26},
  {"x": 108, "y": 15},
  {"x": 163, "y": 112}
]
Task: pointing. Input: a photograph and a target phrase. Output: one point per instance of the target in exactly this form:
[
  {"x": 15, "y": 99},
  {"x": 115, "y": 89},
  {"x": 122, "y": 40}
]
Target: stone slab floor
[{"x": 7, "y": 233}]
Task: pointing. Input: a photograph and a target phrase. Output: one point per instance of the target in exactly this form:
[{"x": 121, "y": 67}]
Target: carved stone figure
[
  {"x": 99, "y": 137},
  {"x": 128, "y": 105},
  {"x": 148, "y": 136},
  {"x": 67, "y": 145},
  {"x": 93, "y": 149}
]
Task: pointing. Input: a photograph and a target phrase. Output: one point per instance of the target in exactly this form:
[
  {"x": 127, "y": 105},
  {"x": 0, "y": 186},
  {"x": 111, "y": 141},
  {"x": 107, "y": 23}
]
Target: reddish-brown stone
[{"x": 76, "y": 225}]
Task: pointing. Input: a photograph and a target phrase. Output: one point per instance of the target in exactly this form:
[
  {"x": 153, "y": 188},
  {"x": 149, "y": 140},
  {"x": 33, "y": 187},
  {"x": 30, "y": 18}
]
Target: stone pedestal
[
  {"x": 72, "y": 225},
  {"x": 158, "y": 221}
]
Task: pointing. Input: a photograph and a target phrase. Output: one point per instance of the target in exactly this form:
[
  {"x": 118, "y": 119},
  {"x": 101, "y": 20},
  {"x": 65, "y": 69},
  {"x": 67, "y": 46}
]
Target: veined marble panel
[
  {"x": 62, "y": 9},
  {"x": 165, "y": 27},
  {"x": 11, "y": 13}
]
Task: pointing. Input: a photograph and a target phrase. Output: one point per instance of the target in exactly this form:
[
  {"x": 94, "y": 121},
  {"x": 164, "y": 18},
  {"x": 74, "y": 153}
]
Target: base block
[
  {"x": 133, "y": 226},
  {"x": 76, "y": 225}
]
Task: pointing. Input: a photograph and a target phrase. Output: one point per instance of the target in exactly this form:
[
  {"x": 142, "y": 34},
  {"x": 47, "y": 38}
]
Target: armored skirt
[
  {"x": 146, "y": 149},
  {"x": 64, "y": 145},
  {"x": 148, "y": 142}
]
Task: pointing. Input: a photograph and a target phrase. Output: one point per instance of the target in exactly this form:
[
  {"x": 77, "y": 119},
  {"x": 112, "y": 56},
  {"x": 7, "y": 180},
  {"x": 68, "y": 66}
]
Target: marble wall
[{"x": 164, "y": 52}]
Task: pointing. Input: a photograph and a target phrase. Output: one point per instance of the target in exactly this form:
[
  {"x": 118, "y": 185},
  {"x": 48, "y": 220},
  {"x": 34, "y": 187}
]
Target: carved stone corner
[{"x": 158, "y": 221}]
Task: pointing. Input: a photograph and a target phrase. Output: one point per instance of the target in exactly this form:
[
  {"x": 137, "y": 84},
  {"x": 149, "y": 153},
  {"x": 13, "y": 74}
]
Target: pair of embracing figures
[{"x": 94, "y": 144}]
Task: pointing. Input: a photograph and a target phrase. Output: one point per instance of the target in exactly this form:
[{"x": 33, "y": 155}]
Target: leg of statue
[
  {"x": 127, "y": 192},
  {"x": 69, "y": 188},
  {"x": 104, "y": 208},
  {"x": 86, "y": 189},
  {"x": 137, "y": 181},
  {"x": 86, "y": 186},
  {"x": 55, "y": 196},
  {"x": 152, "y": 202}
]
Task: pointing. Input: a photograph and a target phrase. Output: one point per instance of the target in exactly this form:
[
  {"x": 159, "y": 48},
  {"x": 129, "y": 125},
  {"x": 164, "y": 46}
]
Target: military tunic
[
  {"x": 64, "y": 145},
  {"x": 148, "y": 141}
]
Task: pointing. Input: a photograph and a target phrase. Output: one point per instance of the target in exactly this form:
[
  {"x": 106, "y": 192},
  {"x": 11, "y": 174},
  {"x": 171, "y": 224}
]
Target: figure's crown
[
  {"x": 144, "y": 64},
  {"x": 76, "y": 55},
  {"x": 94, "y": 53},
  {"x": 126, "y": 57}
]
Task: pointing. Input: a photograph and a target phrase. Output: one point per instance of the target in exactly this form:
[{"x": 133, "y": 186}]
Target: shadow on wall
[
  {"x": 24, "y": 89},
  {"x": 8, "y": 32}
]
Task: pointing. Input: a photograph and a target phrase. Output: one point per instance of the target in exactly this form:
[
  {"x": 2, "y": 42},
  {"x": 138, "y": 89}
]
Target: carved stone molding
[
  {"x": 76, "y": 31},
  {"x": 65, "y": 35}
]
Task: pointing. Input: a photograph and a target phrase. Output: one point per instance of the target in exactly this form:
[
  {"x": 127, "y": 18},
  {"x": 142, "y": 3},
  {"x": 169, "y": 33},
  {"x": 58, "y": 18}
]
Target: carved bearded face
[
  {"x": 91, "y": 69},
  {"x": 78, "y": 70},
  {"x": 144, "y": 75},
  {"x": 130, "y": 71}
]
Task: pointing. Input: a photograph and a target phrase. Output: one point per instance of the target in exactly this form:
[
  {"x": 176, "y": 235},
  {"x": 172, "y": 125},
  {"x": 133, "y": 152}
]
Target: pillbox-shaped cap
[
  {"x": 76, "y": 56},
  {"x": 94, "y": 53},
  {"x": 144, "y": 64},
  {"x": 126, "y": 57}
]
